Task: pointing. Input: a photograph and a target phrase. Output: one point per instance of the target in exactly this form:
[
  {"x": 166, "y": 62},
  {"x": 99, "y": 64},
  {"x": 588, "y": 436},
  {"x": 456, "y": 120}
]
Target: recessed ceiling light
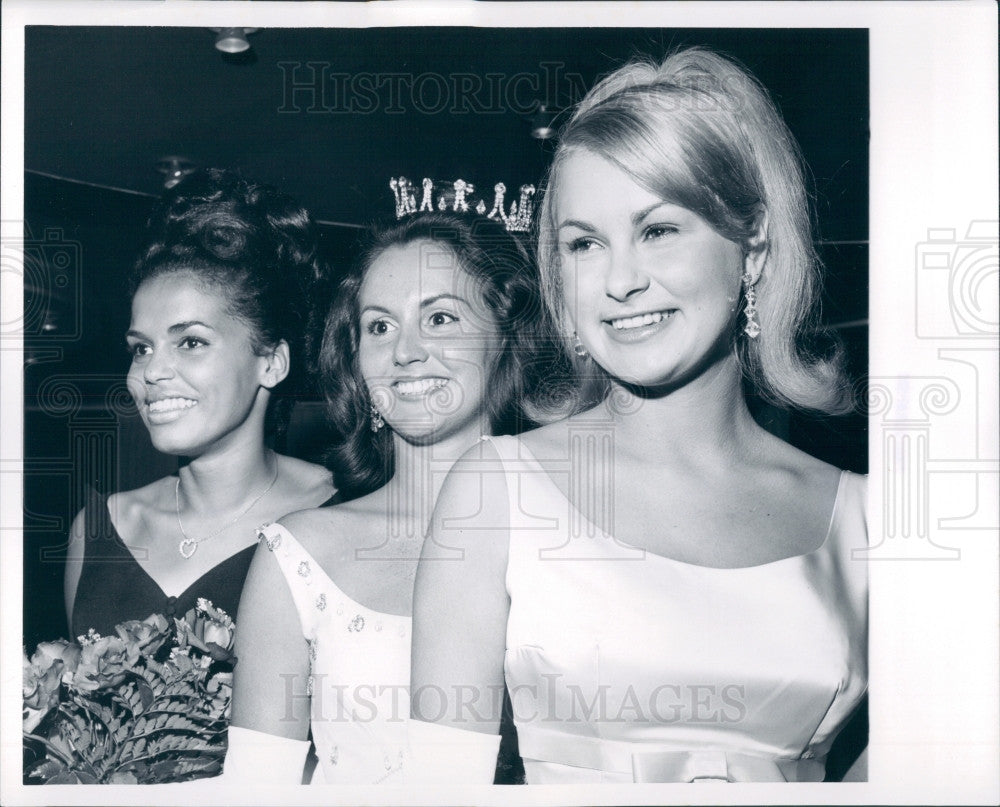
[{"x": 233, "y": 40}]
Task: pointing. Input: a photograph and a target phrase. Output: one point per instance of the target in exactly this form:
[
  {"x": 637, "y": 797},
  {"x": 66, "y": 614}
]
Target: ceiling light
[
  {"x": 174, "y": 169},
  {"x": 232, "y": 40},
  {"x": 543, "y": 123}
]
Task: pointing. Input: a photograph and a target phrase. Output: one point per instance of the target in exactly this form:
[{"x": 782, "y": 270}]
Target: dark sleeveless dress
[{"x": 114, "y": 587}]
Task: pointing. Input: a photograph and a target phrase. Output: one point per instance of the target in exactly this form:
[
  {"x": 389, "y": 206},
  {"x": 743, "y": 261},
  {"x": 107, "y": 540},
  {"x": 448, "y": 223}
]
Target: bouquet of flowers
[{"x": 148, "y": 705}]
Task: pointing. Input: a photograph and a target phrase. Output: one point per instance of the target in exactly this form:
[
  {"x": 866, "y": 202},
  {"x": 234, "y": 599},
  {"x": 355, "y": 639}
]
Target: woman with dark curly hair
[
  {"x": 220, "y": 302},
  {"x": 429, "y": 346}
]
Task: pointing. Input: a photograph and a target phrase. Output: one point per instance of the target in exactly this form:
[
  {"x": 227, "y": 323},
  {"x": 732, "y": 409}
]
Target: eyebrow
[
  {"x": 438, "y": 297},
  {"x": 175, "y": 328},
  {"x": 581, "y": 225},
  {"x": 638, "y": 216},
  {"x": 379, "y": 308},
  {"x": 423, "y": 303}
]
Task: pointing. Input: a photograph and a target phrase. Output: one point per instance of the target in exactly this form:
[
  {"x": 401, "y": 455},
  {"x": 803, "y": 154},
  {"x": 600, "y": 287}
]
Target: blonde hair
[{"x": 700, "y": 131}]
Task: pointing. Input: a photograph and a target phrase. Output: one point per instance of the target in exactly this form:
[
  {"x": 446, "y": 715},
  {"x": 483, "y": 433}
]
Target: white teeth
[
  {"x": 639, "y": 320},
  {"x": 419, "y": 387},
  {"x": 171, "y": 404}
]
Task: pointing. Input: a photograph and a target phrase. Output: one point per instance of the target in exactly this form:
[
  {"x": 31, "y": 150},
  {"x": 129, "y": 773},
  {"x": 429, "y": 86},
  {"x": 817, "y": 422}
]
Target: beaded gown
[{"x": 359, "y": 672}]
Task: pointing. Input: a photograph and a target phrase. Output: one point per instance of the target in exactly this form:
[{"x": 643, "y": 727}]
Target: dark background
[{"x": 103, "y": 105}]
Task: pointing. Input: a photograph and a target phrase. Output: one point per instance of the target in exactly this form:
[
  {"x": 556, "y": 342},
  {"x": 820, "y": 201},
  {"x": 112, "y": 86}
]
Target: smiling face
[
  {"x": 194, "y": 375},
  {"x": 427, "y": 342},
  {"x": 650, "y": 287}
]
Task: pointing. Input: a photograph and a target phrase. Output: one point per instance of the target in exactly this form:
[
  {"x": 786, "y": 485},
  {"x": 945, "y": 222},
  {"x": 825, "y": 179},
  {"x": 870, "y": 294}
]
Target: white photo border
[{"x": 935, "y": 705}]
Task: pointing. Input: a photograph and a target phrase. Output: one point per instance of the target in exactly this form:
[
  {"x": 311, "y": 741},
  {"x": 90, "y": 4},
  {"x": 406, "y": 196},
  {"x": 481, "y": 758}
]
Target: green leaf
[
  {"x": 72, "y": 778},
  {"x": 145, "y": 694},
  {"x": 44, "y": 769},
  {"x": 60, "y": 744}
]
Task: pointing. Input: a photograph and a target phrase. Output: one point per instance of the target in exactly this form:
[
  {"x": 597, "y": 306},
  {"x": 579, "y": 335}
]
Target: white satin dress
[
  {"x": 359, "y": 673},
  {"x": 627, "y": 666}
]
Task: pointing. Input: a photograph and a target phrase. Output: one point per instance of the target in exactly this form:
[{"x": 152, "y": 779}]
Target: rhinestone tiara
[{"x": 458, "y": 195}]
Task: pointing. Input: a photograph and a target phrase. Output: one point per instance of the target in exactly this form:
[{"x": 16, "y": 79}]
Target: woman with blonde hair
[{"x": 667, "y": 589}]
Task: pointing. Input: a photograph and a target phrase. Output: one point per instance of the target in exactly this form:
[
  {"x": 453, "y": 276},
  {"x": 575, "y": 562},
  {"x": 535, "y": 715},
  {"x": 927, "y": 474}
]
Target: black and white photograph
[{"x": 476, "y": 403}]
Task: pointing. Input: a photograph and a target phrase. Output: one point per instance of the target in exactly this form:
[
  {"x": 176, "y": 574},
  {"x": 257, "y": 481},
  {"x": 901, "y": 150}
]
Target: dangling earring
[
  {"x": 752, "y": 328},
  {"x": 578, "y": 347},
  {"x": 377, "y": 421}
]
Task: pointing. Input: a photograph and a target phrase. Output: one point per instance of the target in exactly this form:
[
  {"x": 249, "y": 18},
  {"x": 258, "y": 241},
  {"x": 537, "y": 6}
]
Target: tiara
[{"x": 456, "y": 197}]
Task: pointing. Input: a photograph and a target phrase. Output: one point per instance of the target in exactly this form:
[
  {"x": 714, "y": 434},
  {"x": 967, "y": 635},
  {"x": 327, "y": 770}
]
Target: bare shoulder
[
  {"x": 472, "y": 508},
  {"x": 797, "y": 464},
  {"x": 552, "y": 445},
  {"x": 807, "y": 489},
  {"x": 305, "y": 483},
  {"x": 77, "y": 533},
  {"x": 147, "y": 496},
  {"x": 303, "y": 471},
  {"x": 131, "y": 507},
  {"x": 549, "y": 437},
  {"x": 330, "y": 534}
]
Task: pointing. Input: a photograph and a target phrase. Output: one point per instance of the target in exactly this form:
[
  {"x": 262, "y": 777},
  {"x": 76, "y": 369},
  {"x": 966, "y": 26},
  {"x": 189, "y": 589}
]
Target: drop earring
[
  {"x": 752, "y": 328},
  {"x": 578, "y": 347},
  {"x": 377, "y": 421}
]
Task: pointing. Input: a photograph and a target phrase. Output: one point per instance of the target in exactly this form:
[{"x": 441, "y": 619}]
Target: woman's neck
[
  {"x": 420, "y": 471},
  {"x": 224, "y": 478},
  {"x": 705, "y": 419}
]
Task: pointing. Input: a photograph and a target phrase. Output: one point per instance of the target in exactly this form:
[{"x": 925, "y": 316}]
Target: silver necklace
[{"x": 188, "y": 545}]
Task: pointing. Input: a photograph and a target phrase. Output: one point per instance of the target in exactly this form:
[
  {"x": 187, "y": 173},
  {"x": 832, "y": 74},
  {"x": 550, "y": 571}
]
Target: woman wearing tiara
[
  {"x": 220, "y": 299},
  {"x": 668, "y": 589},
  {"x": 428, "y": 347}
]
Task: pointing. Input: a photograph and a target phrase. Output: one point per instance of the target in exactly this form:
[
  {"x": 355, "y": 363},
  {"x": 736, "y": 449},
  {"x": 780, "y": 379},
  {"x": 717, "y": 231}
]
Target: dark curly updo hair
[
  {"x": 260, "y": 249},
  {"x": 522, "y": 383}
]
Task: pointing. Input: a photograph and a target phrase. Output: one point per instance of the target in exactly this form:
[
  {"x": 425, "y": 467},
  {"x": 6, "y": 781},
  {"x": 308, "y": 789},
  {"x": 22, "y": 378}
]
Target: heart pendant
[{"x": 187, "y": 547}]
